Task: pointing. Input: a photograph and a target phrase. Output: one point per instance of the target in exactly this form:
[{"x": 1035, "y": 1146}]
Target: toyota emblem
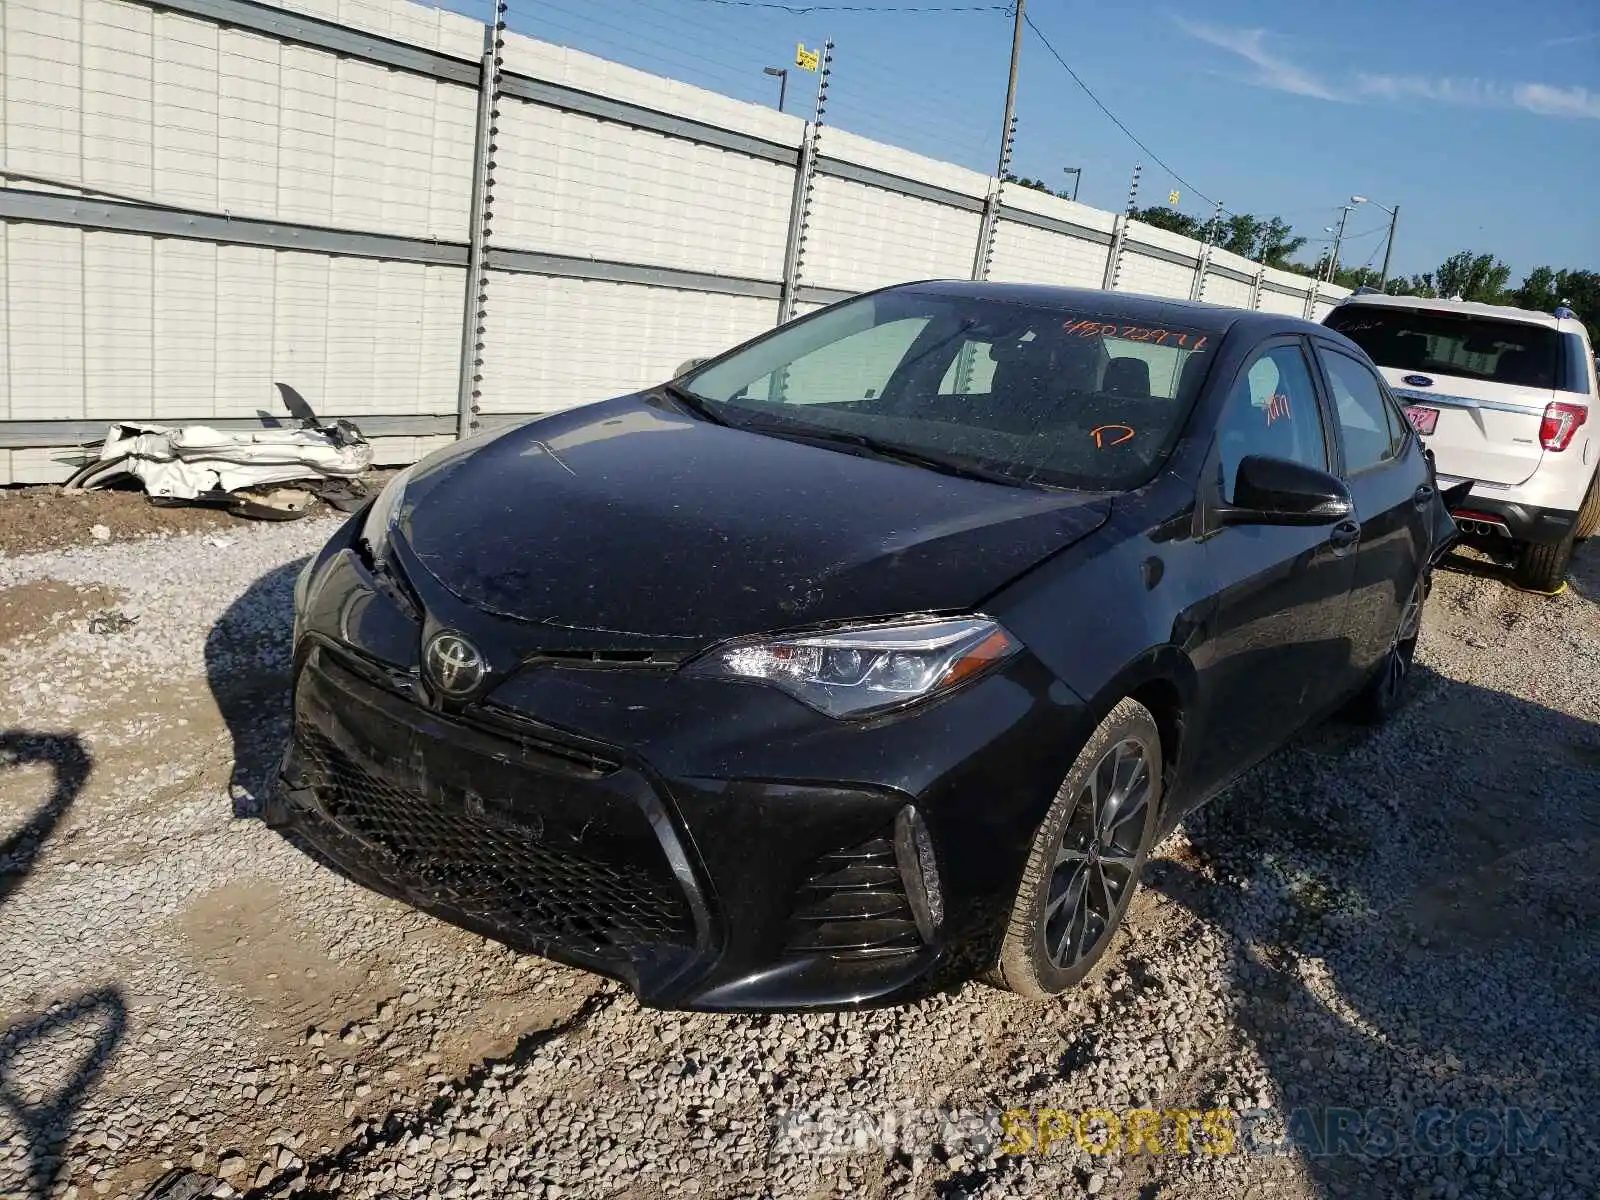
[{"x": 454, "y": 665}]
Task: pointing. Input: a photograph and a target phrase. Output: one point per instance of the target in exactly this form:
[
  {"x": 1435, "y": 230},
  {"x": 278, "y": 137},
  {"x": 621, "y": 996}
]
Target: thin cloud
[
  {"x": 1473, "y": 93},
  {"x": 1542, "y": 99},
  {"x": 1271, "y": 70},
  {"x": 1550, "y": 101},
  {"x": 1575, "y": 39}
]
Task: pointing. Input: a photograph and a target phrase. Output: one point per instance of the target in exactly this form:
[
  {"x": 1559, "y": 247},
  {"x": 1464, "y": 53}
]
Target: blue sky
[{"x": 1481, "y": 120}]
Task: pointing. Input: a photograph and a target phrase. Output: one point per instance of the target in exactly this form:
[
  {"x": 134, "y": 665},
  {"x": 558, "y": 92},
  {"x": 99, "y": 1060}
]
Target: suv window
[
  {"x": 1371, "y": 428},
  {"x": 1447, "y": 343},
  {"x": 1574, "y": 373},
  {"x": 1272, "y": 410}
]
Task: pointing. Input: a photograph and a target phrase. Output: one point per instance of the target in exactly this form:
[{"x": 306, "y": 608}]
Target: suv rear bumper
[{"x": 1524, "y": 522}]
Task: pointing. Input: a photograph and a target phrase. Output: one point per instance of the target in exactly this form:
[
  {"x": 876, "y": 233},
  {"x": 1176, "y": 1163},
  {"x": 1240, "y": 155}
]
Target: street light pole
[
  {"x": 782, "y": 75},
  {"x": 1077, "y": 178}
]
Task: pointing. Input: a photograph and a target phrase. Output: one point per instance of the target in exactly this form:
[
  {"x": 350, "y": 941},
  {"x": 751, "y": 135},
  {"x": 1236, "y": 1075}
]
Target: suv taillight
[{"x": 1560, "y": 422}]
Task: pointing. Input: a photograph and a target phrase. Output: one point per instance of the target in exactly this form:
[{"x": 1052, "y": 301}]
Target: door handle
[
  {"x": 1344, "y": 535},
  {"x": 1422, "y": 495}
]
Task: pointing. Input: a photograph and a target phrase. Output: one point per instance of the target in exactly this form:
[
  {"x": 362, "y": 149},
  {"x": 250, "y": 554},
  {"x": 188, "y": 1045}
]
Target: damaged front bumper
[{"x": 712, "y": 845}]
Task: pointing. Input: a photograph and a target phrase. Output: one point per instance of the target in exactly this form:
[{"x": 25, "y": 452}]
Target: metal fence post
[
  {"x": 469, "y": 384},
  {"x": 1311, "y": 302},
  {"x": 805, "y": 175},
  {"x": 1119, "y": 235},
  {"x": 1197, "y": 289},
  {"x": 1255, "y": 287},
  {"x": 1119, "y": 229},
  {"x": 983, "y": 256}
]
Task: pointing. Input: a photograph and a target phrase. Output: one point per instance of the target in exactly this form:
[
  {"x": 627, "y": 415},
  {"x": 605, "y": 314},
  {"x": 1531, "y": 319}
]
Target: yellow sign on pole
[
  {"x": 1172, "y": 197},
  {"x": 806, "y": 60}
]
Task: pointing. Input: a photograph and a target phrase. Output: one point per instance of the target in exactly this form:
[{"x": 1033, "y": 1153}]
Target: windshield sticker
[
  {"x": 1111, "y": 435},
  {"x": 1134, "y": 333}
]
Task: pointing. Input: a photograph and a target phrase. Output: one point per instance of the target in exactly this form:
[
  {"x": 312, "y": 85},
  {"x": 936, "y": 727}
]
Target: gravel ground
[{"x": 1405, "y": 920}]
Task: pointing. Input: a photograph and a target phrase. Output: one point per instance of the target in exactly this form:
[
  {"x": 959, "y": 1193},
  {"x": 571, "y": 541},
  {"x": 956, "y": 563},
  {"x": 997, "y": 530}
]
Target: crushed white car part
[{"x": 188, "y": 462}]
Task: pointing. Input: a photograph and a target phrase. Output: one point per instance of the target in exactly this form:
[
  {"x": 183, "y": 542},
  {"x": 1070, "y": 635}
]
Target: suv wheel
[
  {"x": 1589, "y": 514},
  {"x": 1086, "y": 859},
  {"x": 1543, "y": 567}
]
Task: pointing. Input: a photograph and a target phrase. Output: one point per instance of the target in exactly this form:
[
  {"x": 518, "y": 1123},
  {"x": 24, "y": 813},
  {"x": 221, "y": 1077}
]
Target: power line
[
  {"x": 801, "y": 10},
  {"x": 1088, "y": 91}
]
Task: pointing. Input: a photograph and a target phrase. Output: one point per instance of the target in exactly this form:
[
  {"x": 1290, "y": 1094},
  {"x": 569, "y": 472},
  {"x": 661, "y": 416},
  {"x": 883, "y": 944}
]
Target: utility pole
[
  {"x": 1211, "y": 227},
  {"x": 1011, "y": 90},
  {"x": 1388, "y": 249},
  {"x": 1333, "y": 262}
]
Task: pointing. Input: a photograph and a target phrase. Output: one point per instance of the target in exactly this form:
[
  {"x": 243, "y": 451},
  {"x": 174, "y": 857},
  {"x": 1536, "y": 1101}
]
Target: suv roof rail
[{"x": 1365, "y": 290}]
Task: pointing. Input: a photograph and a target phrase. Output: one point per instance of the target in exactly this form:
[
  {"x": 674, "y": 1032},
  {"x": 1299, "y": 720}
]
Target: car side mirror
[
  {"x": 1279, "y": 491},
  {"x": 688, "y": 365}
]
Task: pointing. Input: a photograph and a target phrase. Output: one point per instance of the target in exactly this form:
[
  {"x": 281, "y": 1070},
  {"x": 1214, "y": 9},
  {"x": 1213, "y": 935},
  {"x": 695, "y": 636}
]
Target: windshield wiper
[
  {"x": 698, "y": 405},
  {"x": 890, "y": 450}
]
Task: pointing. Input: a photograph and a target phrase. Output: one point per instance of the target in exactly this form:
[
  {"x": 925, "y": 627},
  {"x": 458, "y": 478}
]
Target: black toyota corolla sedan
[{"x": 871, "y": 655}]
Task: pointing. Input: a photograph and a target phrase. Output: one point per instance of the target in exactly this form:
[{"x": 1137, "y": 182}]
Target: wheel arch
[{"x": 1164, "y": 680}]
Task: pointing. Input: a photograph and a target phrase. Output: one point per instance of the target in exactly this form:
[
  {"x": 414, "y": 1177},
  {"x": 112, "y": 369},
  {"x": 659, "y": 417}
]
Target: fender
[{"x": 1165, "y": 679}]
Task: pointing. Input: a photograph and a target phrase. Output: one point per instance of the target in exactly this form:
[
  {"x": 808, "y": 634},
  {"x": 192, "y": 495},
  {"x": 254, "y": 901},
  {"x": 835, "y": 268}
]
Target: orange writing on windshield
[
  {"x": 1135, "y": 333},
  {"x": 1111, "y": 435}
]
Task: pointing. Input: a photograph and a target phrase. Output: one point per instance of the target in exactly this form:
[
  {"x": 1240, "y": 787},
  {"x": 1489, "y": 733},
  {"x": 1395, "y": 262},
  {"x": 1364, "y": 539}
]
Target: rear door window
[{"x": 1370, "y": 427}]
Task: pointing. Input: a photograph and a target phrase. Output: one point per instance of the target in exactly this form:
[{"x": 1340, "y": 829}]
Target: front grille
[
  {"x": 854, "y": 902},
  {"x": 497, "y": 871}
]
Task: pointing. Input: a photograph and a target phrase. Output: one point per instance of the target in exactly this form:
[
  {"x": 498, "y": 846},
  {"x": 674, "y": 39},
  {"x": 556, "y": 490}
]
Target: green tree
[
  {"x": 1481, "y": 277},
  {"x": 1544, "y": 289},
  {"x": 1275, "y": 243},
  {"x": 1037, "y": 185},
  {"x": 1163, "y": 217}
]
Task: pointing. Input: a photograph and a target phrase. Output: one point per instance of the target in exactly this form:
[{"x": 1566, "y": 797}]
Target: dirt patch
[
  {"x": 28, "y": 609},
  {"x": 43, "y": 518},
  {"x": 46, "y": 518}
]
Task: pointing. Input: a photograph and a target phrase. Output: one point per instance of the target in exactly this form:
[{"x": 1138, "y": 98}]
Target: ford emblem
[{"x": 1417, "y": 380}]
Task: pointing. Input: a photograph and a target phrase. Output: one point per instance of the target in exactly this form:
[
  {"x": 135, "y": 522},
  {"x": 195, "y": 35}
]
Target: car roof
[
  {"x": 1214, "y": 318},
  {"x": 1472, "y": 308}
]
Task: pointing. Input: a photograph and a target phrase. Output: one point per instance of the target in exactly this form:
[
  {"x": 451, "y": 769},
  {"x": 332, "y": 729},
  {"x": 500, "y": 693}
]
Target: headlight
[
  {"x": 380, "y": 517},
  {"x": 852, "y": 672}
]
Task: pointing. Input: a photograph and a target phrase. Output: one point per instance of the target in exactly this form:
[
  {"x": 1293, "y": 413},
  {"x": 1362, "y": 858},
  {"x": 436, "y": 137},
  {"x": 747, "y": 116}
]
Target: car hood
[{"x": 642, "y": 524}]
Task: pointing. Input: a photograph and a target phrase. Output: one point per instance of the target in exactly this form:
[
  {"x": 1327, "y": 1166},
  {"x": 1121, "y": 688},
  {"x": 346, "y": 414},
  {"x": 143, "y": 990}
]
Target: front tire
[{"x": 1087, "y": 856}]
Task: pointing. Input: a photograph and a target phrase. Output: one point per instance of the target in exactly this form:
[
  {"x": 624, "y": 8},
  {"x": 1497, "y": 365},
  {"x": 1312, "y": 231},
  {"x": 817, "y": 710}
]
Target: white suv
[{"x": 1505, "y": 398}]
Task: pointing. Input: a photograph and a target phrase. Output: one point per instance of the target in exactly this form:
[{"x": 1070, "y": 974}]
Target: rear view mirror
[
  {"x": 1278, "y": 491},
  {"x": 688, "y": 365}
]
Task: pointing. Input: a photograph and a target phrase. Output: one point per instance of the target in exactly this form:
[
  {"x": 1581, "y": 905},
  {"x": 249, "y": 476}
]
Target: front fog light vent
[
  {"x": 854, "y": 902},
  {"x": 913, "y": 852}
]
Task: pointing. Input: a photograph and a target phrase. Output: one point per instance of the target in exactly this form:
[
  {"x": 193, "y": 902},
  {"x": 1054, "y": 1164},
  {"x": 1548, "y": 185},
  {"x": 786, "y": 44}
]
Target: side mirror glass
[{"x": 1279, "y": 491}]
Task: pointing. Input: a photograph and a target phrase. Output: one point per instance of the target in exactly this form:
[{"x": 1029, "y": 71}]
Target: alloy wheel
[{"x": 1097, "y": 860}]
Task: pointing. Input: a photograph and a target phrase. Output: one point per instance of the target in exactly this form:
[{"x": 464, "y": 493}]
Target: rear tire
[
  {"x": 1588, "y": 523},
  {"x": 1542, "y": 567},
  {"x": 1086, "y": 858},
  {"x": 1386, "y": 692}
]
